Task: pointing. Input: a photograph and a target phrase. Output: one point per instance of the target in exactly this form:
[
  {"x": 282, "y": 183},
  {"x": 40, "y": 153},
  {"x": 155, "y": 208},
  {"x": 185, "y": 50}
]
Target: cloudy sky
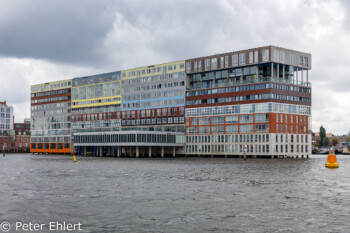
[{"x": 43, "y": 41}]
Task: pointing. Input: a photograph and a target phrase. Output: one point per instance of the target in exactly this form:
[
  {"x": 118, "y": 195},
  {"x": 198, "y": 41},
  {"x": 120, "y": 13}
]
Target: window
[
  {"x": 291, "y": 57},
  {"x": 231, "y": 119},
  {"x": 265, "y": 55},
  {"x": 282, "y": 56},
  {"x": 262, "y": 118},
  {"x": 242, "y": 58},
  {"x": 221, "y": 62},
  {"x": 214, "y": 62},
  {"x": 207, "y": 64},
  {"x": 276, "y": 55},
  {"x": 231, "y": 129},
  {"x": 306, "y": 61},
  {"x": 188, "y": 67},
  {"x": 246, "y": 118},
  {"x": 217, "y": 120},
  {"x": 256, "y": 56},
  {"x": 246, "y": 128},
  {"x": 301, "y": 60},
  {"x": 82, "y": 93},
  {"x": 235, "y": 60},
  {"x": 204, "y": 130},
  {"x": 75, "y": 94},
  {"x": 204, "y": 121},
  {"x": 191, "y": 130},
  {"x": 217, "y": 129},
  {"x": 194, "y": 121},
  {"x": 99, "y": 91},
  {"x": 251, "y": 54},
  {"x": 199, "y": 65},
  {"x": 226, "y": 61},
  {"x": 262, "y": 128}
]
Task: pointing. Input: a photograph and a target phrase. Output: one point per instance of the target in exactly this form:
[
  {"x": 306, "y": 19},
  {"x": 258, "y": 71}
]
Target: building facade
[
  {"x": 255, "y": 102},
  {"x": 144, "y": 116},
  {"x": 51, "y": 117},
  {"x": 6, "y": 118},
  {"x": 22, "y": 128}
]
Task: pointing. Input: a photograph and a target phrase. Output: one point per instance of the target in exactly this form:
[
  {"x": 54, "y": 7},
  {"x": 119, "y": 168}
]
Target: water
[{"x": 177, "y": 195}]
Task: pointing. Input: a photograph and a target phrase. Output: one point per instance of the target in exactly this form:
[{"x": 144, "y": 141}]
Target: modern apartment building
[
  {"x": 255, "y": 101},
  {"x": 144, "y": 116},
  {"x": 95, "y": 102},
  {"x": 6, "y": 117},
  {"x": 51, "y": 117}
]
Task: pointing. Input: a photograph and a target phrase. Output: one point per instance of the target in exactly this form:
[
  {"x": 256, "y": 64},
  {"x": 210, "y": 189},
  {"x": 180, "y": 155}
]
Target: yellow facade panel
[
  {"x": 97, "y": 104},
  {"x": 110, "y": 100},
  {"x": 50, "y": 86},
  {"x": 146, "y": 71}
]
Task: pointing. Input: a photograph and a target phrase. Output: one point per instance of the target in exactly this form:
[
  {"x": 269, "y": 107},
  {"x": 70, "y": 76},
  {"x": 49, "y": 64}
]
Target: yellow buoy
[
  {"x": 332, "y": 160},
  {"x": 74, "y": 159}
]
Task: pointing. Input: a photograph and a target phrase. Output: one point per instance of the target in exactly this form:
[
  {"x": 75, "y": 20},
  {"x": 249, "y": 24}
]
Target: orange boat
[{"x": 332, "y": 160}]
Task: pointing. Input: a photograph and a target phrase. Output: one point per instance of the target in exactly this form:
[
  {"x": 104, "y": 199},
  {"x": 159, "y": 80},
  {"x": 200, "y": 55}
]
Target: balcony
[{"x": 250, "y": 81}]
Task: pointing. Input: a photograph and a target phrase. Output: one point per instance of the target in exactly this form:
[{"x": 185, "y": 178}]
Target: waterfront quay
[{"x": 252, "y": 103}]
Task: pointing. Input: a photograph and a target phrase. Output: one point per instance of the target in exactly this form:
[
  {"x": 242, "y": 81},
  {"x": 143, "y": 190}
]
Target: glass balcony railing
[{"x": 204, "y": 85}]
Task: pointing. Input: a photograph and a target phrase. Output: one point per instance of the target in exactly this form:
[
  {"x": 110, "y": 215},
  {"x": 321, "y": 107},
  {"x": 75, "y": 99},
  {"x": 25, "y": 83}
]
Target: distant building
[
  {"x": 6, "y": 117},
  {"x": 6, "y": 143},
  {"x": 14, "y": 137},
  {"x": 14, "y": 143},
  {"x": 26, "y": 121},
  {"x": 21, "y": 143},
  {"x": 21, "y": 128},
  {"x": 22, "y": 136}
]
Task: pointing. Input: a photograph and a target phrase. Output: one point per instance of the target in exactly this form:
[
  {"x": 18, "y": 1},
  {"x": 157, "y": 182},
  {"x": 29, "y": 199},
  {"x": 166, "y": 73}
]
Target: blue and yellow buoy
[{"x": 332, "y": 160}]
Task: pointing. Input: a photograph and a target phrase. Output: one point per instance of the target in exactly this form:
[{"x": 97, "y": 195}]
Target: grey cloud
[
  {"x": 63, "y": 31},
  {"x": 76, "y": 32},
  {"x": 78, "y": 38}
]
